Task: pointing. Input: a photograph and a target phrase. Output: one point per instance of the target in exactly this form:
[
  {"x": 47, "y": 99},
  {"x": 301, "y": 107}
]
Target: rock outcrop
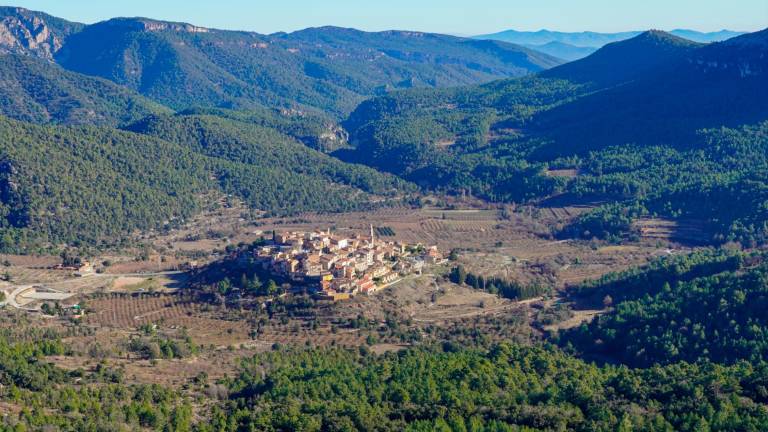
[{"x": 32, "y": 33}]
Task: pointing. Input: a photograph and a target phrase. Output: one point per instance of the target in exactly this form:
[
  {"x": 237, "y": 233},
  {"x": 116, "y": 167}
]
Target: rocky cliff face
[{"x": 32, "y": 33}]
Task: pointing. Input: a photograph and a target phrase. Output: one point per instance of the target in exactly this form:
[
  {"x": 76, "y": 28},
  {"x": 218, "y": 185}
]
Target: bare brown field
[
  {"x": 126, "y": 282},
  {"x": 569, "y": 173},
  {"x": 428, "y": 299},
  {"x": 33, "y": 261},
  {"x": 556, "y": 263},
  {"x": 154, "y": 264},
  {"x": 24, "y": 275},
  {"x": 298, "y": 334},
  {"x": 175, "y": 373},
  {"x": 579, "y": 317}
]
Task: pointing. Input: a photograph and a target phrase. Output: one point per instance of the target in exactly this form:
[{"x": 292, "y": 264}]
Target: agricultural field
[{"x": 120, "y": 311}]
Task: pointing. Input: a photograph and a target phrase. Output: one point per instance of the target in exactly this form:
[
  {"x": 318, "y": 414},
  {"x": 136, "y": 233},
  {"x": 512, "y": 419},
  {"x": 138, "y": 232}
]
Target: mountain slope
[
  {"x": 624, "y": 61},
  {"x": 327, "y": 68},
  {"x": 688, "y": 308},
  {"x": 721, "y": 84},
  {"x": 94, "y": 185},
  {"x": 655, "y": 88},
  {"x": 265, "y": 147},
  {"x": 33, "y": 33},
  {"x": 632, "y": 130},
  {"x": 39, "y": 91}
]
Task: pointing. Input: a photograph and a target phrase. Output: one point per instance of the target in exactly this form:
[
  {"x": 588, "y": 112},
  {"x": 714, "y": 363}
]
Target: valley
[
  {"x": 156, "y": 287},
  {"x": 331, "y": 229}
]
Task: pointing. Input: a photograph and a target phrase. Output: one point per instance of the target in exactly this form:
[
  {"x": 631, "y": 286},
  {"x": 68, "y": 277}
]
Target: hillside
[
  {"x": 629, "y": 60},
  {"x": 88, "y": 185},
  {"x": 315, "y": 130},
  {"x": 721, "y": 84},
  {"x": 39, "y": 91},
  {"x": 331, "y": 69},
  {"x": 668, "y": 86},
  {"x": 259, "y": 146},
  {"x": 697, "y": 308},
  {"x": 631, "y": 128}
]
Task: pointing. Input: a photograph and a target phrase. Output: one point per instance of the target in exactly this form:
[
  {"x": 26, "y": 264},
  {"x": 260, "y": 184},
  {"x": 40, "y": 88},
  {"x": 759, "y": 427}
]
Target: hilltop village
[{"x": 338, "y": 267}]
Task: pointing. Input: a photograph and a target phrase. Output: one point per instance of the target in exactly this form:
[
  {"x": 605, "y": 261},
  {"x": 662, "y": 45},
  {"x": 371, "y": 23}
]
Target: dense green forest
[
  {"x": 496, "y": 285},
  {"x": 45, "y": 397},
  {"x": 507, "y": 388},
  {"x": 315, "y": 130},
  {"x": 502, "y": 388},
  {"x": 87, "y": 185},
  {"x": 721, "y": 181},
  {"x": 702, "y": 307},
  {"x": 38, "y": 91},
  {"x": 266, "y": 147}
]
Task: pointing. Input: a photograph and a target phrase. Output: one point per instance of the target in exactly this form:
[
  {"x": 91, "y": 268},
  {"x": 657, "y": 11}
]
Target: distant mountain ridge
[
  {"x": 671, "y": 89},
  {"x": 563, "y": 50},
  {"x": 328, "y": 68},
  {"x": 576, "y": 45}
]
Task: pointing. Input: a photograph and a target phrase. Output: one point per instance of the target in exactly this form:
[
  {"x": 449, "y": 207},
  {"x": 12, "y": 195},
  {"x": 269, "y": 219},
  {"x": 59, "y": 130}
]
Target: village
[{"x": 338, "y": 267}]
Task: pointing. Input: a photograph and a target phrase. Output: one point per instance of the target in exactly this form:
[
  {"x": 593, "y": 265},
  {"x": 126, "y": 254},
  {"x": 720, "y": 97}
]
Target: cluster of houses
[
  {"x": 80, "y": 268},
  {"x": 338, "y": 267}
]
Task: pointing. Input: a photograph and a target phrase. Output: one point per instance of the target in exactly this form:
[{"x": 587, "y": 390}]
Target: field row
[{"x": 125, "y": 312}]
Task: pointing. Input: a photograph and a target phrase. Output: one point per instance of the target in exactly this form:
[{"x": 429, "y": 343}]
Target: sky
[{"x": 460, "y": 17}]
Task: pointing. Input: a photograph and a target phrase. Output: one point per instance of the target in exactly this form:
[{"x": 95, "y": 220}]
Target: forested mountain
[
  {"x": 33, "y": 33},
  {"x": 625, "y": 61},
  {"x": 522, "y": 105},
  {"x": 627, "y": 117},
  {"x": 91, "y": 185},
  {"x": 721, "y": 84},
  {"x": 328, "y": 68},
  {"x": 316, "y": 130},
  {"x": 265, "y": 147},
  {"x": 39, "y": 91}
]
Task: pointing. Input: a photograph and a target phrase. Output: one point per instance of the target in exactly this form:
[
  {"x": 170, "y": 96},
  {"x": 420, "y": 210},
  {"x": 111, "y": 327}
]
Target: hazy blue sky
[{"x": 446, "y": 16}]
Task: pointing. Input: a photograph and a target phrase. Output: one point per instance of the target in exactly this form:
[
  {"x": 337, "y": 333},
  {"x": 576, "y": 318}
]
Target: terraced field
[
  {"x": 129, "y": 312},
  {"x": 688, "y": 231}
]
